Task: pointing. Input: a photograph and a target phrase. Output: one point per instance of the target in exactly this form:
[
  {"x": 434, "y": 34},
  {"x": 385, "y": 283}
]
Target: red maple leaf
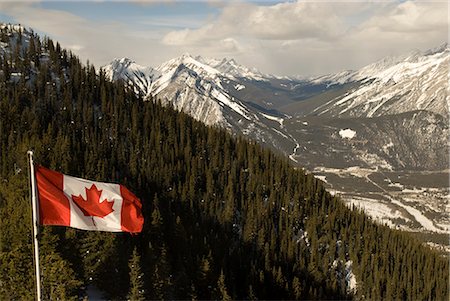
[{"x": 92, "y": 206}]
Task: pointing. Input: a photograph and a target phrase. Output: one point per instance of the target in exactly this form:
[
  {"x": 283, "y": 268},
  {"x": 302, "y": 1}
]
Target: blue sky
[
  {"x": 181, "y": 14},
  {"x": 279, "y": 37}
]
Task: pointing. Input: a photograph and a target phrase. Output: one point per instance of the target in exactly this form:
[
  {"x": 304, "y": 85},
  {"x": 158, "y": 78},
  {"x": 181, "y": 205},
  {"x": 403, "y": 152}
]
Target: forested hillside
[{"x": 224, "y": 217}]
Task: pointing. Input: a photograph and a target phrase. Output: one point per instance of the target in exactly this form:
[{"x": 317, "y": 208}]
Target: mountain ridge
[
  {"x": 415, "y": 81},
  {"x": 392, "y": 70},
  {"x": 201, "y": 88},
  {"x": 396, "y": 108}
]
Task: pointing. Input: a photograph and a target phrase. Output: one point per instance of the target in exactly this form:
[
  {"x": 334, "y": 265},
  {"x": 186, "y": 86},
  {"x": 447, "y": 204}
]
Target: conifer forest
[{"x": 225, "y": 218}]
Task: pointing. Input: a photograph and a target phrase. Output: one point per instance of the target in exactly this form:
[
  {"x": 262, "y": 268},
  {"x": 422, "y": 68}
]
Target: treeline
[{"x": 224, "y": 217}]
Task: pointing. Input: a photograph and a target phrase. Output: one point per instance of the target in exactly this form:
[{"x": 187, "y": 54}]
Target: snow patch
[
  {"x": 274, "y": 118},
  {"x": 231, "y": 104},
  {"x": 378, "y": 210},
  {"x": 426, "y": 223},
  {"x": 322, "y": 178},
  {"x": 239, "y": 87},
  {"x": 347, "y": 133},
  {"x": 282, "y": 134},
  {"x": 375, "y": 160},
  {"x": 398, "y": 185},
  {"x": 294, "y": 152},
  {"x": 414, "y": 190},
  {"x": 350, "y": 278},
  {"x": 438, "y": 247},
  {"x": 386, "y": 147}
]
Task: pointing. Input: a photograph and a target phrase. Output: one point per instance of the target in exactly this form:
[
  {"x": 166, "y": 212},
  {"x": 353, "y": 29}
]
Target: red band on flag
[
  {"x": 132, "y": 219},
  {"x": 54, "y": 207}
]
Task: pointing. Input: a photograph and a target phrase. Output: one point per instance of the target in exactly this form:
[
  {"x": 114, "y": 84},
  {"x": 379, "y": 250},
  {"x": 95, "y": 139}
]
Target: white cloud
[
  {"x": 230, "y": 45},
  {"x": 398, "y": 28},
  {"x": 278, "y": 22},
  {"x": 319, "y": 37},
  {"x": 287, "y": 38},
  {"x": 412, "y": 17}
]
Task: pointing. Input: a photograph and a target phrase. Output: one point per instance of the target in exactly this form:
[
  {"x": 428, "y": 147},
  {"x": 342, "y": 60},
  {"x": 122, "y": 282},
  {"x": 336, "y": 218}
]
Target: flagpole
[{"x": 35, "y": 223}]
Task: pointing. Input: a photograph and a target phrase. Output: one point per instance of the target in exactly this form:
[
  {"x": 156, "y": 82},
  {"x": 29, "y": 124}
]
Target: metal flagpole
[{"x": 35, "y": 223}]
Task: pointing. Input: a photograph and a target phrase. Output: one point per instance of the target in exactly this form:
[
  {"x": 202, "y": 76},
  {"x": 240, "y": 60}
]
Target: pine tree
[
  {"x": 136, "y": 291},
  {"x": 59, "y": 281},
  {"x": 251, "y": 293},
  {"x": 297, "y": 288},
  {"x": 223, "y": 293}
]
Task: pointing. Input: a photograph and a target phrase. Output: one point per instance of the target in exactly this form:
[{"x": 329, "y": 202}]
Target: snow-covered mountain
[
  {"x": 417, "y": 81},
  {"x": 224, "y": 93},
  {"x": 200, "y": 87},
  {"x": 380, "y": 138},
  {"x": 231, "y": 68},
  {"x": 190, "y": 84},
  {"x": 133, "y": 74},
  {"x": 195, "y": 88}
]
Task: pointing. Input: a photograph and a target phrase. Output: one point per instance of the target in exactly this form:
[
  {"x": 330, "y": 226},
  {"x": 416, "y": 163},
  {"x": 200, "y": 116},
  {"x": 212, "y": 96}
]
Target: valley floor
[{"x": 412, "y": 201}]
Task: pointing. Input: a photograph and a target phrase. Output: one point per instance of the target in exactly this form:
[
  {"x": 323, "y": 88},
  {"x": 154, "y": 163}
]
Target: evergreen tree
[
  {"x": 136, "y": 291},
  {"x": 222, "y": 288}
]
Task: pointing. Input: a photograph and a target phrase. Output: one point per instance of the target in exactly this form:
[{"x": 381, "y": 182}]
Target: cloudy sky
[{"x": 279, "y": 37}]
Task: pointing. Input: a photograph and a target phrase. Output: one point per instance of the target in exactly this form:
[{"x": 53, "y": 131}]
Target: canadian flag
[{"x": 87, "y": 205}]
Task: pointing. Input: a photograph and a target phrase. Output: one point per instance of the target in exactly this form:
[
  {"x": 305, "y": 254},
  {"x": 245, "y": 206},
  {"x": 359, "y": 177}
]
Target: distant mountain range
[
  {"x": 224, "y": 93},
  {"x": 388, "y": 117},
  {"x": 416, "y": 81}
]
